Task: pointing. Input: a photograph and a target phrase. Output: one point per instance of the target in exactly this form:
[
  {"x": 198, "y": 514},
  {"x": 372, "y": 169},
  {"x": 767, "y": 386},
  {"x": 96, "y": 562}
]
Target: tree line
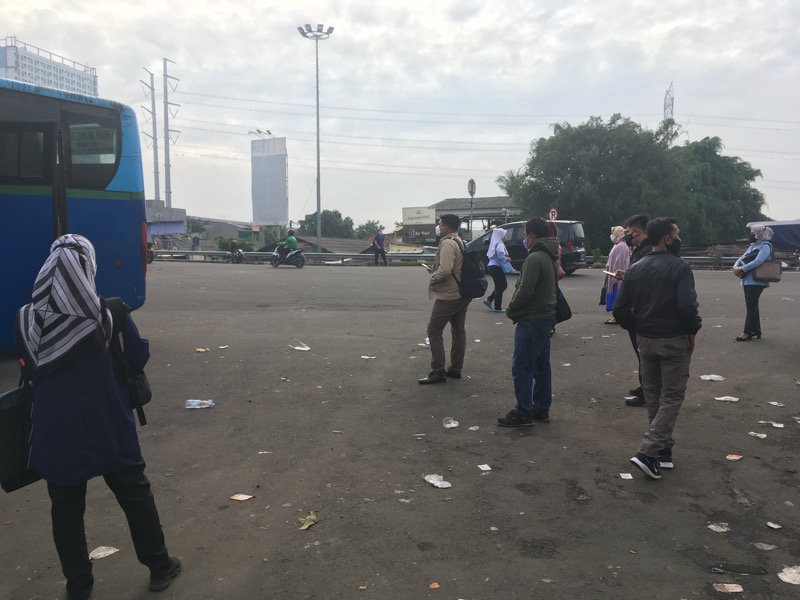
[
  {"x": 603, "y": 172},
  {"x": 336, "y": 226}
]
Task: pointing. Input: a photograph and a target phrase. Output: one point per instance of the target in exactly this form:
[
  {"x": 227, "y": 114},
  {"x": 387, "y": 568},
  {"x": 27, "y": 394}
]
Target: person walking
[
  {"x": 83, "y": 425},
  {"x": 756, "y": 254},
  {"x": 377, "y": 246},
  {"x": 499, "y": 265},
  {"x": 658, "y": 302},
  {"x": 636, "y": 239},
  {"x": 448, "y": 306},
  {"x": 618, "y": 260},
  {"x": 532, "y": 309}
]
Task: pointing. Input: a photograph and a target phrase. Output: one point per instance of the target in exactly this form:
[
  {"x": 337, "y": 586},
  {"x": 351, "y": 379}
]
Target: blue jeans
[{"x": 531, "y": 363}]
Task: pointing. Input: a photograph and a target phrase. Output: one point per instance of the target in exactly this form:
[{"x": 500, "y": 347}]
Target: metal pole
[
  {"x": 167, "y": 183},
  {"x": 319, "y": 193},
  {"x": 155, "y": 135},
  {"x": 471, "y": 202}
]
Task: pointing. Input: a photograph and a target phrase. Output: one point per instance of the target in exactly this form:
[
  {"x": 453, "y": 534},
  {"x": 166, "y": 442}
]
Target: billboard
[
  {"x": 270, "y": 181},
  {"x": 419, "y": 225}
]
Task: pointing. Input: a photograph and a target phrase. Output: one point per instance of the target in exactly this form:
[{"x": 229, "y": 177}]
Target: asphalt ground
[{"x": 350, "y": 438}]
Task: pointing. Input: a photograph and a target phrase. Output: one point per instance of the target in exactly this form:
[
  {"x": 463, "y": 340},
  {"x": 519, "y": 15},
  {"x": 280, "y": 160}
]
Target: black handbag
[
  {"x": 137, "y": 383},
  {"x": 603, "y": 291},
  {"x": 15, "y": 433},
  {"x": 563, "y": 311}
]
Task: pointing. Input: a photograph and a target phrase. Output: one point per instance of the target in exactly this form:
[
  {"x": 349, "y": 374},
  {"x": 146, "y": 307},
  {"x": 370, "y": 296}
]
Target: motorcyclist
[{"x": 288, "y": 245}]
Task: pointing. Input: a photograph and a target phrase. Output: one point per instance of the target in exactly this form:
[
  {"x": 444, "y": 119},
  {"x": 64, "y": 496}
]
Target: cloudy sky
[{"x": 419, "y": 96}]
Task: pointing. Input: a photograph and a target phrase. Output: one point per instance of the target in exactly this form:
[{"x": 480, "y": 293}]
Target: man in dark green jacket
[{"x": 533, "y": 310}]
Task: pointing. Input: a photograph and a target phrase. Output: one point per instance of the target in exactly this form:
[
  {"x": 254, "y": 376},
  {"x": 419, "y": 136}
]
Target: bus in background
[{"x": 68, "y": 164}]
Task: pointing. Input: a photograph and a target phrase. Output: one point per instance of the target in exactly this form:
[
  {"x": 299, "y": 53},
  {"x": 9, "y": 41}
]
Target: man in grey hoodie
[{"x": 533, "y": 310}]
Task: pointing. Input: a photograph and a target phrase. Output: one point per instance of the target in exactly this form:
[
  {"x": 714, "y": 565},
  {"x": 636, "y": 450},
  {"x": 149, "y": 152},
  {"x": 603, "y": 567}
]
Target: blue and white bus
[{"x": 68, "y": 164}]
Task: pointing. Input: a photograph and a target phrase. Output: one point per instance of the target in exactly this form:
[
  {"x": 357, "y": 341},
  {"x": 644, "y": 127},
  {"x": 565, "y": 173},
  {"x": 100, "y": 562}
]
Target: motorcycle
[
  {"x": 295, "y": 257},
  {"x": 151, "y": 255},
  {"x": 235, "y": 256}
]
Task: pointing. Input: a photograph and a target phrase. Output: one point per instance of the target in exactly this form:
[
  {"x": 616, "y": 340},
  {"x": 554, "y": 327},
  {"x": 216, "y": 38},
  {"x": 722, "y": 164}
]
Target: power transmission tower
[
  {"x": 152, "y": 111},
  {"x": 167, "y": 131},
  {"x": 669, "y": 103}
]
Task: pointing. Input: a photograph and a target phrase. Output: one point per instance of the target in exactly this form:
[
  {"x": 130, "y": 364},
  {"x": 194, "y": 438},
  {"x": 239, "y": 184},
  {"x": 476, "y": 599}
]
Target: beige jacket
[{"x": 449, "y": 260}]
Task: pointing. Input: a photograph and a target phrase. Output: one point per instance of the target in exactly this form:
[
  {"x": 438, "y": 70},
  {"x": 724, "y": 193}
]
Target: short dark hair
[
  {"x": 452, "y": 221},
  {"x": 537, "y": 226},
  {"x": 659, "y": 227},
  {"x": 553, "y": 229},
  {"x": 637, "y": 221}
]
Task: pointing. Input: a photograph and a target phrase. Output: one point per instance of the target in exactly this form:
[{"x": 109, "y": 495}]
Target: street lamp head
[
  {"x": 308, "y": 28},
  {"x": 302, "y": 31},
  {"x": 330, "y": 30},
  {"x": 319, "y": 27}
]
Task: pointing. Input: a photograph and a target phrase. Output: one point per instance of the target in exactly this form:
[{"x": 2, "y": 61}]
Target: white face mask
[{"x": 438, "y": 231}]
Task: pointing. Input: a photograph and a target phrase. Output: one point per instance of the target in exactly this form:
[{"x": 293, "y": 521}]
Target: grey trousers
[
  {"x": 665, "y": 373},
  {"x": 455, "y": 313}
]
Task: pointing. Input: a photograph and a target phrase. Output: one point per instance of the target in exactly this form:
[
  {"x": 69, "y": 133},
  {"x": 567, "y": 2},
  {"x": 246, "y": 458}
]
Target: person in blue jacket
[
  {"x": 83, "y": 425},
  {"x": 759, "y": 251}
]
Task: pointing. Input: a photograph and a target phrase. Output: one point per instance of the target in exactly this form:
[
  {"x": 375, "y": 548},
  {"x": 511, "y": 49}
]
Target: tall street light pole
[
  {"x": 319, "y": 34},
  {"x": 471, "y": 191}
]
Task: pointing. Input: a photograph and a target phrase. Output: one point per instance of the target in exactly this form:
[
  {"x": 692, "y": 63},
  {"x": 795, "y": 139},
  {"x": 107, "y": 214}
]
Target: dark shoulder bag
[
  {"x": 770, "y": 270},
  {"x": 15, "y": 432},
  {"x": 138, "y": 384}
]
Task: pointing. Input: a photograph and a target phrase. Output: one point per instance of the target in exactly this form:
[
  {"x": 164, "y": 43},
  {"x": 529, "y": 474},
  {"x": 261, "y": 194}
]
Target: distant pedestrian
[
  {"x": 195, "y": 243},
  {"x": 532, "y": 309},
  {"x": 636, "y": 239},
  {"x": 658, "y": 303},
  {"x": 499, "y": 265},
  {"x": 377, "y": 246},
  {"x": 760, "y": 250},
  {"x": 618, "y": 260},
  {"x": 448, "y": 306}
]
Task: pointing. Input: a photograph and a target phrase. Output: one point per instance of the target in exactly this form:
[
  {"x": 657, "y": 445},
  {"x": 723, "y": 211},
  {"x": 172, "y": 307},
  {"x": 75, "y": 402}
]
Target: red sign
[{"x": 553, "y": 214}]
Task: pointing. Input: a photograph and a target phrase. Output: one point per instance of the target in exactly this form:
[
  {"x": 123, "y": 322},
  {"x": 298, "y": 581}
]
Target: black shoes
[
  {"x": 542, "y": 416},
  {"x": 648, "y": 466},
  {"x": 453, "y": 374},
  {"x": 158, "y": 584},
  {"x": 516, "y": 419},
  {"x": 433, "y": 377},
  {"x": 638, "y": 400},
  {"x": 665, "y": 459}
]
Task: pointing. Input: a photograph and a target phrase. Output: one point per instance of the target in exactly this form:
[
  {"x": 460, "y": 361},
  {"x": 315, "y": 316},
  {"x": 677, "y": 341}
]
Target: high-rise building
[
  {"x": 23, "y": 62},
  {"x": 270, "y": 181}
]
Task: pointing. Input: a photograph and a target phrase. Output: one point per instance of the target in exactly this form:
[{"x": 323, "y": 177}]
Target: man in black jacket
[
  {"x": 636, "y": 238},
  {"x": 659, "y": 303}
]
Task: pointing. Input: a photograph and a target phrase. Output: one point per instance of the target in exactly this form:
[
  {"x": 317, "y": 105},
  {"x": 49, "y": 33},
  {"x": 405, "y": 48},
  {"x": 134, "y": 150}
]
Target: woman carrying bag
[
  {"x": 618, "y": 260},
  {"x": 759, "y": 251},
  {"x": 83, "y": 425},
  {"x": 499, "y": 265}
]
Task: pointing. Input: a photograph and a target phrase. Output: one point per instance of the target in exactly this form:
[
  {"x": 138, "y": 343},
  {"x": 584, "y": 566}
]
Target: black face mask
[
  {"x": 675, "y": 248},
  {"x": 628, "y": 239},
  {"x": 752, "y": 238}
]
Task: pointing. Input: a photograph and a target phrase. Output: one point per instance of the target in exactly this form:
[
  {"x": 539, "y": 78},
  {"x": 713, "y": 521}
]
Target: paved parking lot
[{"x": 350, "y": 438}]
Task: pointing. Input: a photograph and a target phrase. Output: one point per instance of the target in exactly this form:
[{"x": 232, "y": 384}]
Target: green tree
[
  {"x": 602, "y": 172},
  {"x": 195, "y": 225},
  {"x": 510, "y": 182},
  {"x": 333, "y": 225},
  {"x": 366, "y": 230}
]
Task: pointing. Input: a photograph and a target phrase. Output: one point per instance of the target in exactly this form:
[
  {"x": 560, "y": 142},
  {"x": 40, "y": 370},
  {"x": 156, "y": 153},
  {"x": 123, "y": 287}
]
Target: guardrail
[{"x": 330, "y": 258}]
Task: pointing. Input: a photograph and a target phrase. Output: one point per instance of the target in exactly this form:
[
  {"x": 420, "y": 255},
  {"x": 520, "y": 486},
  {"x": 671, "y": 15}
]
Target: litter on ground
[
  {"x": 449, "y": 423},
  {"x": 734, "y": 457},
  {"x": 790, "y": 575},
  {"x": 298, "y": 345},
  {"x": 726, "y": 398},
  {"x": 763, "y": 546},
  {"x": 772, "y": 525},
  {"x": 241, "y": 497},
  {"x": 484, "y": 467},
  {"x": 728, "y": 588},
  {"x": 626, "y": 476},
  {"x": 102, "y": 552},
  {"x": 712, "y": 378},
  {"x": 778, "y": 404},
  {"x": 308, "y": 521},
  {"x": 760, "y": 436},
  {"x": 437, "y": 481},
  {"x": 719, "y": 527}
]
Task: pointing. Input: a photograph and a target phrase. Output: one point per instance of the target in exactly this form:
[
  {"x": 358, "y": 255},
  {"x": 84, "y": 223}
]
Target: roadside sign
[
  {"x": 471, "y": 188},
  {"x": 553, "y": 214}
]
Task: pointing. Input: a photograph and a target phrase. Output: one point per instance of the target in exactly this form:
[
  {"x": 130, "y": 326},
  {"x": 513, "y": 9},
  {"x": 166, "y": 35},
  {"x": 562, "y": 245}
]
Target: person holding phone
[{"x": 618, "y": 261}]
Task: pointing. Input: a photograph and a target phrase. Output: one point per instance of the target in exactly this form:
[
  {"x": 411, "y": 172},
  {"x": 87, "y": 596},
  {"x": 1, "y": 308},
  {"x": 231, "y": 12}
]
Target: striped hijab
[{"x": 65, "y": 309}]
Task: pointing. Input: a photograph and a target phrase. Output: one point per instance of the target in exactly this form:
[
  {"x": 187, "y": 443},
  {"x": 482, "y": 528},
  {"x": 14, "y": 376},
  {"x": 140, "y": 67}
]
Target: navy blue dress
[{"x": 83, "y": 425}]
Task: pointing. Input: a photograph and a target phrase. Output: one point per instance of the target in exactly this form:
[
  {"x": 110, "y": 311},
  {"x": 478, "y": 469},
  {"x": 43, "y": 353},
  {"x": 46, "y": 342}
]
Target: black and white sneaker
[
  {"x": 647, "y": 465},
  {"x": 665, "y": 459}
]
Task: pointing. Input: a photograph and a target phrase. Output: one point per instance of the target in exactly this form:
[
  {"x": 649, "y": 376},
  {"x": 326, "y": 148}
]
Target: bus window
[
  {"x": 94, "y": 151},
  {"x": 22, "y": 156}
]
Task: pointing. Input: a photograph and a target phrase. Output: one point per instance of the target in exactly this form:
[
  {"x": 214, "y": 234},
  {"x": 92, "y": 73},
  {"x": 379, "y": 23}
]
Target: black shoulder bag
[
  {"x": 138, "y": 384},
  {"x": 15, "y": 432}
]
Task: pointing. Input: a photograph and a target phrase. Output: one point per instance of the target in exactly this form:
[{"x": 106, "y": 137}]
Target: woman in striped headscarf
[{"x": 83, "y": 425}]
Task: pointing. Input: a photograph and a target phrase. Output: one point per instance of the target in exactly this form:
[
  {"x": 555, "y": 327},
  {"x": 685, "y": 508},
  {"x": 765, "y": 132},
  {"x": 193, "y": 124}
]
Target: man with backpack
[
  {"x": 533, "y": 310},
  {"x": 449, "y": 306}
]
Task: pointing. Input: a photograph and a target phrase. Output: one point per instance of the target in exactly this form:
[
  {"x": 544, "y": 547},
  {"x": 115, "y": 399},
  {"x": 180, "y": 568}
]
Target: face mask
[
  {"x": 675, "y": 248},
  {"x": 438, "y": 231},
  {"x": 526, "y": 244},
  {"x": 628, "y": 239},
  {"x": 752, "y": 238}
]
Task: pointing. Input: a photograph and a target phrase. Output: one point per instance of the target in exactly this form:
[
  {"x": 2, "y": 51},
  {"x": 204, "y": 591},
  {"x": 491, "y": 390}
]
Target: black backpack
[{"x": 473, "y": 282}]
